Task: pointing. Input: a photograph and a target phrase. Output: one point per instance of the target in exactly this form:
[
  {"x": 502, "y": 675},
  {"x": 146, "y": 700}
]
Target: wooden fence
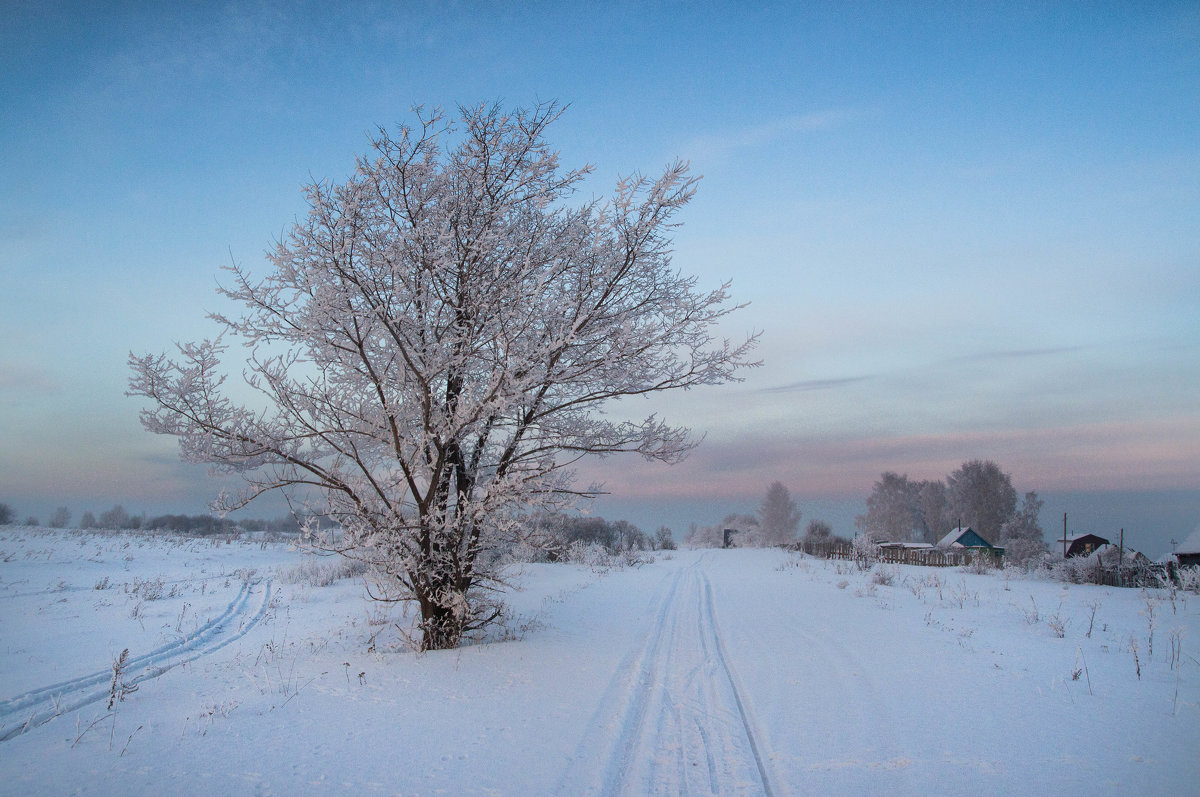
[
  {"x": 928, "y": 557},
  {"x": 1079, "y": 571},
  {"x": 1143, "y": 574}
]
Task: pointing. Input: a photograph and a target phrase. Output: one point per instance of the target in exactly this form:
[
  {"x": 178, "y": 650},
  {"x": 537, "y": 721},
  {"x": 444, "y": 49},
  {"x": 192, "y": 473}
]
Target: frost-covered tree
[
  {"x": 934, "y": 510},
  {"x": 818, "y": 531},
  {"x": 745, "y": 527},
  {"x": 1021, "y": 535},
  {"x": 664, "y": 540},
  {"x": 60, "y": 518},
  {"x": 434, "y": 345},
  {"x": 115, "y": 518},
  {"x": 778, "y": 517},
  {"x": 87, "y": 520},
  {"x": 981, "y": 496},
  {"x": 6, "y": 514},
  {"x": 893, "y": 509}
]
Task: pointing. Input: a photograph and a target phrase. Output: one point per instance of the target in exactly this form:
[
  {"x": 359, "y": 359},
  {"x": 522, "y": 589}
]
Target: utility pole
[
  {"x": 1064, "y": 535},
  {"x": 1121, "y": 559}
]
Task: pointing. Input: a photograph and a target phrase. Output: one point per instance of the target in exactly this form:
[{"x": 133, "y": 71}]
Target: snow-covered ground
[{"x": 705, "y": 672}]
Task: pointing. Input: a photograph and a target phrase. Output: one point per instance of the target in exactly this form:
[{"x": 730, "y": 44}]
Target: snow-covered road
[{"x": 674, "y": 718}]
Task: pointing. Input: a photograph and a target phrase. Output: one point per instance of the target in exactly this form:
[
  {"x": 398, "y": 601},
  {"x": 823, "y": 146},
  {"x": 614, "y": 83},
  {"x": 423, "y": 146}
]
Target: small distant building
[
  {"x": 905, "y": 546},
  {"x": 1187, "y": 553},
  {"x": 1080, "y": 544},
  {"x": 965, "y": 538},
  {"x": 1110, "y": 555}
]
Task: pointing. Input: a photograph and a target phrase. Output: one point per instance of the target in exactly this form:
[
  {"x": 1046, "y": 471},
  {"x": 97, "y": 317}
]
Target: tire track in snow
[
  {"x": 754, "y": 736},
  {"x": 72, "y": 694},
  {"x": 674, "y": 719}
]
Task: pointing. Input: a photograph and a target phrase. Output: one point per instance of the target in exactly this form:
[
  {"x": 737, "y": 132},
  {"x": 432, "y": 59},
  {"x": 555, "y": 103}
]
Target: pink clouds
[{"x": 1147, "y": 455}]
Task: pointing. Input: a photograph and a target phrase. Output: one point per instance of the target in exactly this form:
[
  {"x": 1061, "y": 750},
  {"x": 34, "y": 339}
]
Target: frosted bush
[
  {"x": 883, "y": 576},
  {"x": 321, "y": 572},
  {"x": 1075, "y": 570},
  {"x": 597, "y": 557},
  {"x": 633, "y": 557},
  {"x": 523, "y": 551},
  {"x": 979, "y": 563},
  {"x": 589, "y": 554},
  {"x": 1189, "y": 579},
  {"x": 866, "y": 553},
  {"x": 148, "y": 589}
]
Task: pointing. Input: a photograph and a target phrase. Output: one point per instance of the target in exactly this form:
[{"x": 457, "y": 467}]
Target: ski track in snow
[
  {"x": 675, "y": 719},
  {"x": 38, "y": 706}
]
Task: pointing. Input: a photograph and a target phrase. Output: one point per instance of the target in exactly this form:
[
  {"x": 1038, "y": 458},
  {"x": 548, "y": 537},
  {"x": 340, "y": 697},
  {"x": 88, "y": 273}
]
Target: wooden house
[
  {"x": 965, "y": 538},
  {"x": 1079, "y": 544},
  {"x": 1187, "y": 553}
]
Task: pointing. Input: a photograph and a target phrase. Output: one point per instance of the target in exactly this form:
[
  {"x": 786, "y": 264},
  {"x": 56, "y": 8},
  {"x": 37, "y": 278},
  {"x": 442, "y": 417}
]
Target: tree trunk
[
  {"x": 441, "y": 625},
  {"x": 441, "y": 628}
]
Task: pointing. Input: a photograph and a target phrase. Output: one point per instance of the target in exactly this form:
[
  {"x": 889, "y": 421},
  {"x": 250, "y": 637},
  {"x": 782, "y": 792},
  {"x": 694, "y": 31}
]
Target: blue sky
[{"x": 965, "y": 230}]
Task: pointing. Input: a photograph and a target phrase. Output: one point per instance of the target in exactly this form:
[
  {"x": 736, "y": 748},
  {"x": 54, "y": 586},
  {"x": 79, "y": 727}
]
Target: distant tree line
[
  {"x": 118, "y": 519},
  {"x": 554, "y": 533}
]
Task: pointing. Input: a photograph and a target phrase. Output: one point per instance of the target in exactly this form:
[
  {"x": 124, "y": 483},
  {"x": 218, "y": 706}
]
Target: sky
[{"x": 964, "y": 230}]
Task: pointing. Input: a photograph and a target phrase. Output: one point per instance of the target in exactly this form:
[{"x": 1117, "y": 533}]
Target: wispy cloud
[
  {"x": 718, "y": 145},
  {"x": 1015, "y": 354},
  {"x": 816, "y": 384},
  {"x": 1011, "y": 355},
  {"x": 19, "y": 378}
]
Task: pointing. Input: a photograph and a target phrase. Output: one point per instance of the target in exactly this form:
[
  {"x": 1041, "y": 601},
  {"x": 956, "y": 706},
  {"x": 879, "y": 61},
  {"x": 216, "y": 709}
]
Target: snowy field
[{"x": 705, "y": 672}]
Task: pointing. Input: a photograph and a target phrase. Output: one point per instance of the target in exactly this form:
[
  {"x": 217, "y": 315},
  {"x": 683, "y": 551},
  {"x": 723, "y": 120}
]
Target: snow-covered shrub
[
  {"x": 866, "y": 552},
  {"x": 1189, "y": 579},
  {"x": 979, "y": 563},
  {"x": 1031, "y": 615},
  {"x": 588, "y": 554},
  {"x": 883, "y": 576},
  {"x": 1074, "y": 570},
  {"x": 597, "y": 557},
  {"x": 632, "y": 557},
  {"x": 1058, "y": 623},
  {"x": 1024, "y": 552},
  {"x": 321, "y": 572},
  {"x": 961, "y": 594},
  {"x": 525, "y": 551},
  {"x": 147, "y": 589}
]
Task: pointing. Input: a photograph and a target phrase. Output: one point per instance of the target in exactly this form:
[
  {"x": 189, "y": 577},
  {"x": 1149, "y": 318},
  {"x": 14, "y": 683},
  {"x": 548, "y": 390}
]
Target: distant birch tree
[
  {"x": 778, "y": 517},
  {"x": 434, "y": 345},
  {"x": 893, "y": 509},
  {"x": 818, "y": 531},
  {"x": 1021, "y": 535},
  {"x": 981, "y": 496}
]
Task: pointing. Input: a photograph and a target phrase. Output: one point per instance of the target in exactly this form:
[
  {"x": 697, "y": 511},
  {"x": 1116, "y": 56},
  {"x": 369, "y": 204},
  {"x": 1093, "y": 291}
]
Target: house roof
[
  {"x": 1109, "y": 553},
  {"x": 1191, "y": 544},
  {"x": 1076, "y": 537},
  {"x": 952, "y": 537}
]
